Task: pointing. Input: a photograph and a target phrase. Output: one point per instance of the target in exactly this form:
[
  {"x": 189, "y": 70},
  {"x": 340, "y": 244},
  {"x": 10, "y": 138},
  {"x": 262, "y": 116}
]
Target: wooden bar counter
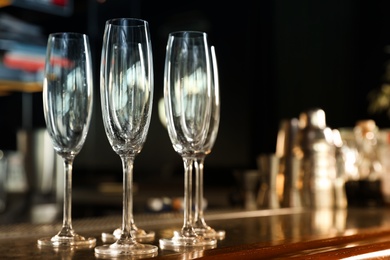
[{"x": 261, "y": 234}]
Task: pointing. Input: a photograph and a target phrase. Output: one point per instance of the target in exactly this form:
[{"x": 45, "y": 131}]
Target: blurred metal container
[
  {"x": 40, "y": 162},
  {"x": 248, "y": 184},
  {"x": 340, "y": 195},
  {"x": 289, "y": 164},
  {"x": 12, "y": 177},
  {"x": 268, "y": 165},
  {"x": 316, "y": 151},
  {"x": 369, "y": 163},
  {"x": 3, "y": 180},
  {"x": 367, "y": 189}
]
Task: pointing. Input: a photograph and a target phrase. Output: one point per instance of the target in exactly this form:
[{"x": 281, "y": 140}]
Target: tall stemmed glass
[
  {"x": 67, "y": 107},
  {"x": 126, "y": 88},
  {"x": 201, "y": 228},
  {"x": 187, "y": 97}
]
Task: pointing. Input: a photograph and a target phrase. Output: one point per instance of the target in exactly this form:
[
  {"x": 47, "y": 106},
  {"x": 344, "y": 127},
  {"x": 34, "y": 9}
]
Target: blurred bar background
[{"x": 276, "y": 59}]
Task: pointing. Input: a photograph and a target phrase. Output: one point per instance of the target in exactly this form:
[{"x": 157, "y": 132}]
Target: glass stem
[
  {"x": 67, "y": 229},
  {"x": 199, "y": 164},
  {"x": 127, "y": 216},
  {"x": 187, "y": 229}
]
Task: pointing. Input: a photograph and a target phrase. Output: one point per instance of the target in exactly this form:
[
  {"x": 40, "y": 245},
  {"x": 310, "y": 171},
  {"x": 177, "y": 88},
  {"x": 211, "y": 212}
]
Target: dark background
[{"x": 276, "y": 59}]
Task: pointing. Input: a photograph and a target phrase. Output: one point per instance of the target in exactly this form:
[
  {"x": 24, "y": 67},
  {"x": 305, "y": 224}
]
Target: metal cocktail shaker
[{"x": 316, "y": 151}]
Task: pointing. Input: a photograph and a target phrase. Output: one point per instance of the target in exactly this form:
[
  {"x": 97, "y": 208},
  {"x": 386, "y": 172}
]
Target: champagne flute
[
  {"x": 126, "y": 88},
  {"x": 187, "y": 98},
  {"x": 200, "y": 225},
  {"x": 139, "y": 234},
  {"x": 67, "y": 107}
]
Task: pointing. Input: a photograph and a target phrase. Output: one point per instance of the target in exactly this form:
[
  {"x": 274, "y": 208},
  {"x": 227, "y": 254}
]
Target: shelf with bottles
[
  {"x": 56, "y": 7},
  {"x": 22, "y": 55}
]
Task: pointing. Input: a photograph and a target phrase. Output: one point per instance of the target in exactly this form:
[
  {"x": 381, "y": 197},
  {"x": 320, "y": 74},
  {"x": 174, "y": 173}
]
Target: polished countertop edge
[
  {"x": 355, "y": 241},
  {"x": 26, "y": 230},
  {"x": 368, "y": 244}
]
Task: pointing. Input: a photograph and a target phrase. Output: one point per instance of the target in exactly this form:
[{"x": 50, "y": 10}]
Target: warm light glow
[
  {"x": 280, "y": 185},
  {"x": 5, "y": 3},
  {"x": 371, "y": 255}
]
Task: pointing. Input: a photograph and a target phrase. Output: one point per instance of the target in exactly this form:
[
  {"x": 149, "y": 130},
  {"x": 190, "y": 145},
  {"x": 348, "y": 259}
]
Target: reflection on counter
[{"x": 264, "y": 234}]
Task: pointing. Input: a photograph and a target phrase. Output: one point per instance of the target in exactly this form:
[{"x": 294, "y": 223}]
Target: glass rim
[
  {"x": 67, "y": 35},
  {"x": 185, "y": 34},
  {"x": 130, "y": 22}
]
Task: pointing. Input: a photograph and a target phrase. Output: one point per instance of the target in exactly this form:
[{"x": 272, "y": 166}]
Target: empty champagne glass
[
  {"x": 201, "y": 228},
  {"x": 67, "y": 107},
  {"x": 187, "y": 98},
  {"x": 126, "y": 88}
]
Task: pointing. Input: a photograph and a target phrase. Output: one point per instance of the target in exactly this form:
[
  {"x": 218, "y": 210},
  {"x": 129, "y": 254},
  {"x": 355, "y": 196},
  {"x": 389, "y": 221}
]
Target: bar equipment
[
  {"x": 3, "y": 180},
  {"x": 42, "y": 168},
  {"x": 369, "y": 164},
  {"x": 340, "y": 195},
  {"x": 268, "y": 165},
  {"x": 289, "y": 163},
  {"x": 365, "y": 188},
  {"x": 316, "y": 151}
]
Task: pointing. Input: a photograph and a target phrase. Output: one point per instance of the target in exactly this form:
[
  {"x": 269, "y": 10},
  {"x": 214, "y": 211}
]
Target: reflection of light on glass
[
  {"x": 161, "y": 112},
  {"x": 73, "y": 78},
  {"x": 189, "y": 86},
  {"x": 192, "y": 100},
  {"x": 133, "y": 79},
  {"x": 371, "y": 255},
  {"x": 192, "y": 84}
]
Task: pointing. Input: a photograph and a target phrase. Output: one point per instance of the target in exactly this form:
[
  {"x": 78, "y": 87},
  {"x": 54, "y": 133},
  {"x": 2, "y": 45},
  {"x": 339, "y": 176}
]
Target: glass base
[
  {"x": 140, "y": 235},
  {"x": 209, "y": 232},
  {"x": 121, "y": 248},
  {"x": 67, "y": 241},
  {"x": 180, "y": 241}
]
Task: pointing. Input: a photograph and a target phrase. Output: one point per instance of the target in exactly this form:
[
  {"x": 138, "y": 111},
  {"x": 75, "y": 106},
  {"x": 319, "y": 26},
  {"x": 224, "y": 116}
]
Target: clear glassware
[
  {"x": 200, "y": 225},
  {"x": 188, "y": 106},
  {"x": 126, "y": 88},
  {"x": 67, "y": 107}
]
